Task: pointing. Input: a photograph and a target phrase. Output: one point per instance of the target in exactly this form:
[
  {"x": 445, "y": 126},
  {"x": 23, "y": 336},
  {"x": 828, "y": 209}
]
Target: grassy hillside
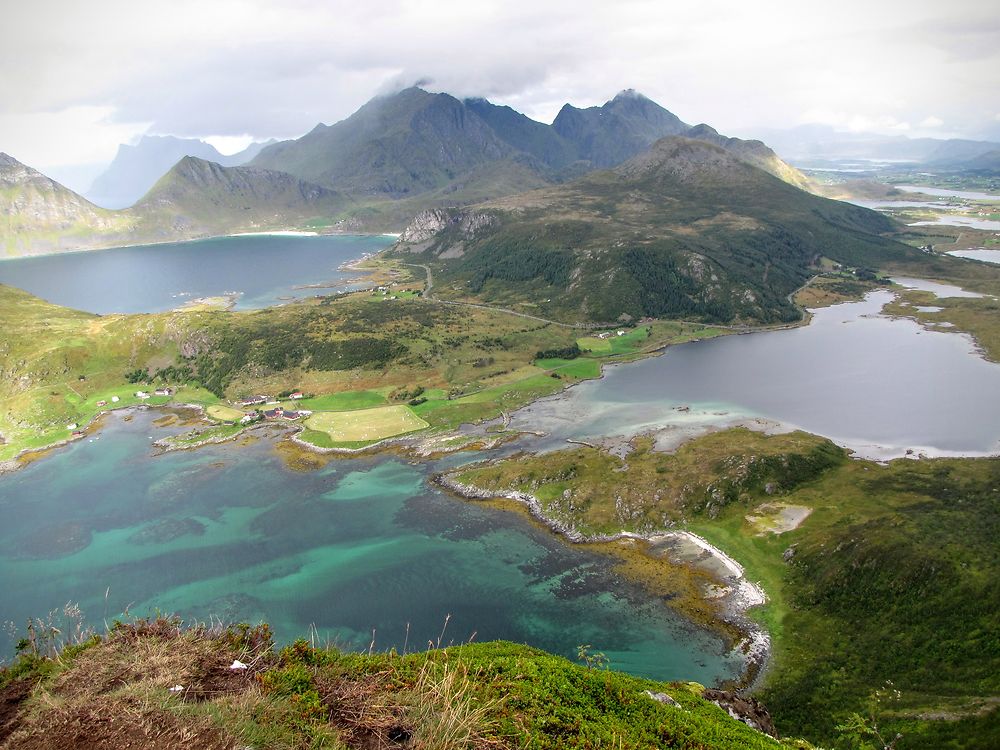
[
  {"x": 353, "y": 352},
  {"x": 197, "y": 197},
  {"x": 686, "y": 230},
  {"x": 876, "y": 574},
  {"x": 157, "y": 684},
  {"x": 753, "y": 152}
]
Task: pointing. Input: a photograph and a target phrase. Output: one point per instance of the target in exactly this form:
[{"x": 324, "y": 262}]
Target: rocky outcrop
[
  {"x": 743, "y": 708},
  {"x": 426, "y": 225}
]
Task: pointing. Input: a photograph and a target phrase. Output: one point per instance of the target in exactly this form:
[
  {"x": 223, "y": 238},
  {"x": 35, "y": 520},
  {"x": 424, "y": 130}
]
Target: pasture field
[
  {"x": 224, "y": 413},
  {"x": 366, "y": 425}
]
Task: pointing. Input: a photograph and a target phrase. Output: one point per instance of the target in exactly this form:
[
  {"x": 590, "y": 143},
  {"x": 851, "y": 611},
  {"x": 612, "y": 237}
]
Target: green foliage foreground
[{"x": 491, "y": 695}]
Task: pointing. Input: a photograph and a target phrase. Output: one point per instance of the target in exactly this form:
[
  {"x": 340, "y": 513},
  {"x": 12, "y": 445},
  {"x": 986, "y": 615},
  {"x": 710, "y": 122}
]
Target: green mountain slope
[
  {"x": 684, "y": 230},
  {"x": 198, "y": 197},
  {"x": 414, "y": 142},
  {"x": 396, "y": 156},
  {"x": 394, "y": 146},
  {"x": 38, "y": 215},
  {"x": 752, "y": 152},
  {"x": 524, "y": 134}
]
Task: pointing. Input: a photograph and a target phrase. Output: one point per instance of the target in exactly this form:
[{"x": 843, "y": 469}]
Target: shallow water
[
  {"x": 959, "y": 221},
  {"x": 261, "y": 270},
  {"x": 876, "y": 385},
  {"x": 876, "y": 204},
  {"x": 948, "y": 192},
  {"x": 935, "y": 287},
  {"x": 361, "y": 544},
  {"x": 983, "y": 254}
]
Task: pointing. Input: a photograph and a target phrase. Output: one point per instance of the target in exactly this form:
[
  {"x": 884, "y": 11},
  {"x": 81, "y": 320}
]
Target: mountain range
[
  {"x": 196, "y": 198},
  {"x": 806, "y": 144},
  {"x": 136, "y": 169},
  {"x": 398, "y": 155}
]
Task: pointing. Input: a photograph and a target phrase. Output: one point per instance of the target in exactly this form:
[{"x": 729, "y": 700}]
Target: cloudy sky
[{"x": 81, "y": 77}]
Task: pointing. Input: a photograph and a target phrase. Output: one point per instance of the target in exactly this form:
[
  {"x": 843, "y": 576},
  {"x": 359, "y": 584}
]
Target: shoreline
[
  {"x": 738, "y": 596},
  {"x": 201, "y": 238}
]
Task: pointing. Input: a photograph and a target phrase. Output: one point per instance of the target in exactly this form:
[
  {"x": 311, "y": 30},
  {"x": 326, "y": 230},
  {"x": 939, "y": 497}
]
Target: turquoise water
[
  {"x": 259, "y": 270},
  {"x": 361, "y": 544}
]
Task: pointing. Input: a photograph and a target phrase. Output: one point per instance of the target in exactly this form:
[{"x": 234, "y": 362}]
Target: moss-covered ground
[{"x": 157, "y": 684}]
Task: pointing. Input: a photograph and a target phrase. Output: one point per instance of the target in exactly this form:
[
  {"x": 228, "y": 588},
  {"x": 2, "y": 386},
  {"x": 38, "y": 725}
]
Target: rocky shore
[{"x": 734, "y": 594}]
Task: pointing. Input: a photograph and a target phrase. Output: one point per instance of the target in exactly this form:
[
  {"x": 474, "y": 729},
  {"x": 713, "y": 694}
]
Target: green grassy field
[
  {"x": 366, "y": 425},
  {"x": 224, "y": 413},
  {"x": 343, "y": 401},
  {"x": 615, "y": 344}
]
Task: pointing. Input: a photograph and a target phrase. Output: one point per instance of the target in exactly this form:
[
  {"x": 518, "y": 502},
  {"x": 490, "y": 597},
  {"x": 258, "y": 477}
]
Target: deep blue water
[{"x": 263, "y": 270}]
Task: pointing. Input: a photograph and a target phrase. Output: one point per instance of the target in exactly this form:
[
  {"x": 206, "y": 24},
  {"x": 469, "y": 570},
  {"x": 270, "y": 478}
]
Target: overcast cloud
[{"x": 81, "y": 77}]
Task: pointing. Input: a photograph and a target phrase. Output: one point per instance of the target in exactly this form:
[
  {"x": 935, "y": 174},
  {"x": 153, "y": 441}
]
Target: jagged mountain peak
[
  {"x": 137, "y": 167},
  {"x": 630, "y": 94}
]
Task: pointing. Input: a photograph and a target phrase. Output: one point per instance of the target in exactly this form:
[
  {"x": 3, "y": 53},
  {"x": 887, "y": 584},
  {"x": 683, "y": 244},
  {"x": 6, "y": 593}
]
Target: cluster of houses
[
  {"x": 610, "y": 334},
  {"x": 384, "y": 291},
  {"x": 258, "y": 400},
  {"x": 278, "y": 412},
  {"x": 143, "y": 395}
]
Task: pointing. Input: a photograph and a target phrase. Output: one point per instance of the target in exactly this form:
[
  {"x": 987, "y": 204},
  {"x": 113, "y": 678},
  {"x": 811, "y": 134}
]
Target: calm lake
[
  {"x": 948, "y": 192},
  {"x": 959, "y": 221},
  {"x": 261, "y": 270},
  {"x": 361, "y": 544},
  {"x": 877, "y": 385},
  {"x": 987, "y": 255}
]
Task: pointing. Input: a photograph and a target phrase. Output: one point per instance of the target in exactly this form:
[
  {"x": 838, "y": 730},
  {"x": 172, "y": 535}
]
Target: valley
[{"x": 619, "y": 388}]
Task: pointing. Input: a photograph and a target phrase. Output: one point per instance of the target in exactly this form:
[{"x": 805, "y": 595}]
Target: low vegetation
[
  {"x": 157, "y": 684},
  {"x": 442, "y": 364},
  {"x": 890, "y": 575}
]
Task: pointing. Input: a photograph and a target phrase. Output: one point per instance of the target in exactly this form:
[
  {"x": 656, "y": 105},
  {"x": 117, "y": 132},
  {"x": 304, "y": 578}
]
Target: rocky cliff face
[{"x": 427, "y": 224}]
